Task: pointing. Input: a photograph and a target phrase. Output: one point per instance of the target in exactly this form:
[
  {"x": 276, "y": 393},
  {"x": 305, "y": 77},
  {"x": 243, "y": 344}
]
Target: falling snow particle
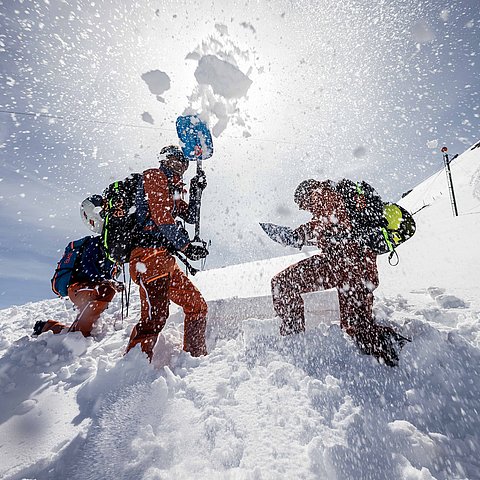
[
  {"x": 146, "y": 117},
  {"x": 359, "y": 152},
  {"x": 157, "y": 81},
  {"x": 422, "y": 33},
  {"x": 224, "y": 78}
]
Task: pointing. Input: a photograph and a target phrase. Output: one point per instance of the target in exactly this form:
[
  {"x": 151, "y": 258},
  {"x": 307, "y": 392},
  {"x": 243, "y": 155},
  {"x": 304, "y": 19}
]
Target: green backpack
[
  {"x": 400, "y": 227},
  {"x": 379, "y": 225},
  {"x": 121, "y": 230}
]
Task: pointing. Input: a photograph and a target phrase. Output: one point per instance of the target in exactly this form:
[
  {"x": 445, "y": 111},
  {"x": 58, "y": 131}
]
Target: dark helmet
[
  {"x": 172, "y": 151},
  {"x": 305, "y": 189}
]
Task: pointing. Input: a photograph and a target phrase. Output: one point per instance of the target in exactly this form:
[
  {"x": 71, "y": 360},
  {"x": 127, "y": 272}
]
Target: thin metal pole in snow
[
  {"x": 446, "y": 162},
  {"x": 198, "y": 203}
]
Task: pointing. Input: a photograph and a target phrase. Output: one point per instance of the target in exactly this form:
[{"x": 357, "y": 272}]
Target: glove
[
  {"x": 297, "y": 241},
  {"x": 182, "y": 230},
  {"x": 199, "y": 181},
  {"x": 195, "y": 252}
]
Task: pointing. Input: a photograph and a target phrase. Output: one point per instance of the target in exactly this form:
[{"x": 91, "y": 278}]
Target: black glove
[
  {"x": 195, "y": 252},
  {"x": 199, "y": 181},
  {"x": 182, "y": 230}
]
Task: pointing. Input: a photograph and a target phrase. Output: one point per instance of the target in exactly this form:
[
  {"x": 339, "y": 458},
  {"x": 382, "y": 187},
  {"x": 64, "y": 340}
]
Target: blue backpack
[{"x": 66, "y": 266}]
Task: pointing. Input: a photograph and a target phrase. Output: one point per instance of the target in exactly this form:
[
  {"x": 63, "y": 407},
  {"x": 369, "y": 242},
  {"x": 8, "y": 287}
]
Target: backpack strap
[
  {"x": 391, "y": 248},
  {"x": 104, "y": 239}
]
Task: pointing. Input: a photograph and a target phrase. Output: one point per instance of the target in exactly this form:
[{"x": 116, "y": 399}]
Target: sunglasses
[{"x": 176, "y": 158}]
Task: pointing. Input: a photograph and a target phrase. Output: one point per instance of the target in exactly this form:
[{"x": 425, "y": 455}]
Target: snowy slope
[{"x": 260, "y": 406}]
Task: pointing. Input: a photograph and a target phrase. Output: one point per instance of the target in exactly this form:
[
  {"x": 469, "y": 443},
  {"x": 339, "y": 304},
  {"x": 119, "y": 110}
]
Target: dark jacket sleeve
[{"x": 189, "y": 211}]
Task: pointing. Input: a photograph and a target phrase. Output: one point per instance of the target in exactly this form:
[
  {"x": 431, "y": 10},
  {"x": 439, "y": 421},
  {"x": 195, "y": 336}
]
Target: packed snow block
[
  {"x": 450, "y": 301},
  {"x": 226, "y": 316},
  {"x": 321, "y": 307}
]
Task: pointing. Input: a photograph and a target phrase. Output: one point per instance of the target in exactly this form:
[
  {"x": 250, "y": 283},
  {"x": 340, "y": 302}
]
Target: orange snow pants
[
  {"x": 355, "y": 277},
  {"x": 91, "y": 299},
  {"x": 354, "y": 280},
  {"x": 160, "y": 280}
]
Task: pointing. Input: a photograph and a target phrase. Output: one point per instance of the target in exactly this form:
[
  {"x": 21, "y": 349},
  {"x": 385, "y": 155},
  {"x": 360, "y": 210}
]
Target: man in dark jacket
[
  {"x": 92, "y": 287},
  {"x": 344, "y": 263},
  {"x": 152, "y": 264}
]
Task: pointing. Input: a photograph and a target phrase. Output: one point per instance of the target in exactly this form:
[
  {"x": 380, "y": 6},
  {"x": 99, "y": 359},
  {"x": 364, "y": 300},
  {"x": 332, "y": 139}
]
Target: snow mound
[{"x": 259, "y": 405}]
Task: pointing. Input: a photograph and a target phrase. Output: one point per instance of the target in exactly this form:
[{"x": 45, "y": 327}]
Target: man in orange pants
[
  {"x": 161, "y": 280},
  {"x": 91, "y": 289},
  {"x": 343, "y": 263},
  {"x": 152, "y": 265}
]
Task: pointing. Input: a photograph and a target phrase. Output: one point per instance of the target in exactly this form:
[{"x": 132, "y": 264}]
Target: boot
[
  {"x": 42, "y": 327},
  {"x": 146, "y": 340},
  {"x": 380, "y": 341}
]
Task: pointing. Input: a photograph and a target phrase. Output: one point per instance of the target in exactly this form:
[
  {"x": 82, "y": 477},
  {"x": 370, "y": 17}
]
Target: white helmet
[{"x": 90, "y": 211}]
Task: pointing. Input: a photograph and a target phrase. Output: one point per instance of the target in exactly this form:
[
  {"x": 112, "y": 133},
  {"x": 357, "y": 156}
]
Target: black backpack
[
  {"x": 379, "y": 225},
  {"x": 121, "y": 229}
]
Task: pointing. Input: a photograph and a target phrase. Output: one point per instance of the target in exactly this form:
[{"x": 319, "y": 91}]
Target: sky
[
  {"x": 291, "y": 90},
  {"x": 260, "y": 406}
]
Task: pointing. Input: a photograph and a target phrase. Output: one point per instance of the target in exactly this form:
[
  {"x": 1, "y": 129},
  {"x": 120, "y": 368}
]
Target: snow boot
[
  {"x": 50, "y": 325},
  {"x": 38, "y": 328},
  {"x": 382, "y": 342}
]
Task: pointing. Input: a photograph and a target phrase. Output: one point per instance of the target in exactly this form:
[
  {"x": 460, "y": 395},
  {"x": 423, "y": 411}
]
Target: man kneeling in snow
[
  {"x": 344, "y": 263},
  {"x": 91, "y": 287}
]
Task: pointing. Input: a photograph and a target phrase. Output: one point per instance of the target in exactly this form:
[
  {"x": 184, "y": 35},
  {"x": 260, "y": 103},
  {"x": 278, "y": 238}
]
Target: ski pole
[
  {"x": 182, "y": 258},
  {"x": 124, "y": 295},
  {"x": 198, "y": 194},
  {"x": 446, "y": 162},
  {"x": 122, "y": 305},
  {"x": 128, "y": 296}
]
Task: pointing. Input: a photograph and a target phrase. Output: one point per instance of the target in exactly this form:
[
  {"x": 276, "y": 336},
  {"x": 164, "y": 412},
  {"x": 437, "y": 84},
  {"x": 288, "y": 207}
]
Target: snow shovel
[{"x": 197, "y": 145}]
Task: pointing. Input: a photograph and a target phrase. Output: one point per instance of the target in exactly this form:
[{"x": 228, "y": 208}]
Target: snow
[
  {"x": 260, "y": 406},
  {"x": 158, "y": 82},
  {"x": 422, "y": 33},
  {"x": 146, "y": 117},
  {"x": 225, "y": 79},
  {"x": 221, "y": 83}
]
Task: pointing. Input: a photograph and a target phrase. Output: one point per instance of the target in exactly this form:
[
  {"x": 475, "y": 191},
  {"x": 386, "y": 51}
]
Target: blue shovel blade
[{"x": 195, "y": 137}]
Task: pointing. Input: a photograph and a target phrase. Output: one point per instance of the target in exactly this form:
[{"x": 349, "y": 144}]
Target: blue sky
[{"x": 367, "y": 90}]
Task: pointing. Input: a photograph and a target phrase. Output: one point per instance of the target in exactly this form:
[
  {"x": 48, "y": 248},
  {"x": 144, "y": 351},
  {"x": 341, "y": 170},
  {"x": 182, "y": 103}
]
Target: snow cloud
[
  {"x": 221, "y": 81},
  {"x": 224, "y": 78},
  {"x": 158, "y": 82},
  {"x": 422, "y": 33}
]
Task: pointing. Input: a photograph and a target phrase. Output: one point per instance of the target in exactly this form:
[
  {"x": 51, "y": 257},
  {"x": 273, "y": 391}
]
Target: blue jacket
[{"x": 93, "y": 266}]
